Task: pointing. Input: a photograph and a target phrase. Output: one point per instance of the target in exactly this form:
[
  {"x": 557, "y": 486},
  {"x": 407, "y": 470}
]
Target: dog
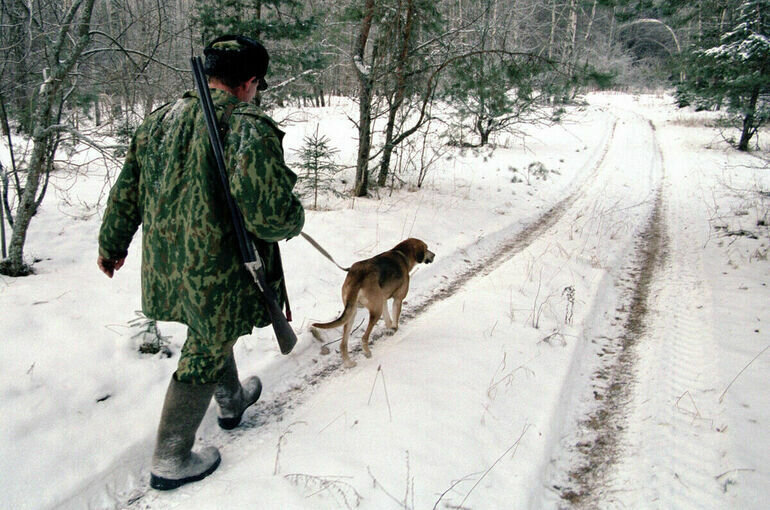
[{"x": 370, "y": 283}]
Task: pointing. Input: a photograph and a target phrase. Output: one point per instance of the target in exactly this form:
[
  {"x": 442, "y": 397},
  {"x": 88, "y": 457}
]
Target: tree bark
[
  {"x": 568, "y": 56},
  {"x": 3, "y": 250},
  {"x": 748, "y": 121},
  {"x": 365, "y": 102},
  {"x": 590, "y": 22},
  {"x": 4, "y": 204},
  {"x": 551, "y": 36},
  {"x": 29, "y": 199},
  {"x": 399, "y": 94}
]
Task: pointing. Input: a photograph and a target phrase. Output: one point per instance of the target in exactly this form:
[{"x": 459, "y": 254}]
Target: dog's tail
[{"x": 347, "y": 314}]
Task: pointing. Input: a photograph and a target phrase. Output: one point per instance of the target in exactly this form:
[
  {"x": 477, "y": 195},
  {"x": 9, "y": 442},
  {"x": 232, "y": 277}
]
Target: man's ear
[{"x": 247, "y": 84}]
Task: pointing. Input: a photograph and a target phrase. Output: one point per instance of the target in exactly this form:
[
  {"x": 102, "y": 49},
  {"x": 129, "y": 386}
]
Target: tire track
[
  {"x": 613, "y": 386},
  {"x": 592, "y": 443},
  {"x": 644, "y": 438},
  {"x": 674, "y": 432}
]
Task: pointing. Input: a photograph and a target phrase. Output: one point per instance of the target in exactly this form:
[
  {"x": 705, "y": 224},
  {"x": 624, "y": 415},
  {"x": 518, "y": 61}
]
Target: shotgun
[{"x": 283, "y": 332}]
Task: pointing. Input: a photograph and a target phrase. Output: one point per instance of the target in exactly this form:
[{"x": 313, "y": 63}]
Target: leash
[{"x": 323, "y": 252}]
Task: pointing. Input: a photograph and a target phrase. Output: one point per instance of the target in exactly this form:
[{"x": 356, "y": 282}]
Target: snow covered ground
[{"x": 592, "y": 340}]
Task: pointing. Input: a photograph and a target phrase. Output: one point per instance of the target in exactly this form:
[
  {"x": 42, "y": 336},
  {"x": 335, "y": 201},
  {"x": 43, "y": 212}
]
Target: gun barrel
[{"x": 283, "y": 331}]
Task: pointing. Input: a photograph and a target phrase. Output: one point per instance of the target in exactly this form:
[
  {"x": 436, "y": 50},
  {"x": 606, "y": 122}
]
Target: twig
[
  {"x": 722, "y": 396},
  {"x": 317, "y": 335},
  {"x": 535, "y": 315},
  {"x": 569, "y": 292},
  {"x": 512, "y": 447},
  {"x": 280, "y": 442},
  {"x": 332, "y": 422},
  {"x": 451, "y": 487},
  {"x": 506, "y": 379},
  {"x": 750, "y": 470},
  {"x": 385, "y": 387},
  {"x": 695, "y": 414},
  {"x": 409, "y": 486},
  {"x": 333, "y": 484},
  {"x": 383, "y": 489}
]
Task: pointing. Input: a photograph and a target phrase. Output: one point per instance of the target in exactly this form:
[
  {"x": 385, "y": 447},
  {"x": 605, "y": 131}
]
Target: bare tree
[{"x": 64, "y": 45}]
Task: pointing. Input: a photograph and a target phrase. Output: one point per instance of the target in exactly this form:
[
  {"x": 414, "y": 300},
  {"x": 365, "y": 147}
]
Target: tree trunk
[
  {"x": 398, "y": 96},
  {"x": 612, "y": 30},
  {"x": 365, "y": 82},
  {"x": 3, "y": 251},
  {"x": 590, "y": 22},
  {"x": 42, "y": 135},
  {"x": 568, "y": 57},
  {"x": 484, "y": 129},
  {"x": 29, "y": 199},
  {"x": 748, "y": 121},
  {"x": 364, "y": 138},
  {"x": 552, "y": 35},
  {"x": 5, "y": 205}
]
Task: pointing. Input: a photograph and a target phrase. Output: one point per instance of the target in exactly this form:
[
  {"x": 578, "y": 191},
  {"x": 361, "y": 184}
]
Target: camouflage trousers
[{"x": 203, "y": 359}]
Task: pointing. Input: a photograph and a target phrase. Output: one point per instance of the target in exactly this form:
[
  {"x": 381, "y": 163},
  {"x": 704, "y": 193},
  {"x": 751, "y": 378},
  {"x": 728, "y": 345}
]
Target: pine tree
[
  {"x": 491, "y": 92},
  {"x": 285, "y": 27},
  {"x": 736, "y": 72},
  {"x": 317, "y": 165}
]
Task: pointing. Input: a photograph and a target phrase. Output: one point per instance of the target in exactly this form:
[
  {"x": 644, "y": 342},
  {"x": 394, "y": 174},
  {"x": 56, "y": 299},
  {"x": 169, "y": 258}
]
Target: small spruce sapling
[{"x": 317, "y": 165}]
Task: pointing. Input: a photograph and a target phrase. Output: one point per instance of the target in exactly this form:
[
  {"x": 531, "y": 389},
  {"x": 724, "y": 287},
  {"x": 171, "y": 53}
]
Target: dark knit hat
[{"x": 237, "y": 57}]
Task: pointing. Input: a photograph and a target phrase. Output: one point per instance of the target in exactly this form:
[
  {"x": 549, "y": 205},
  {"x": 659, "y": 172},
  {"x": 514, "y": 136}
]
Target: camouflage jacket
[{"x": 191, "y": 265}]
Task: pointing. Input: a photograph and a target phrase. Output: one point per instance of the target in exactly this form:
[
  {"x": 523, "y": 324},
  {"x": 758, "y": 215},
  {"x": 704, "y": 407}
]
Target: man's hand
[{"x": 109, "y": 266}]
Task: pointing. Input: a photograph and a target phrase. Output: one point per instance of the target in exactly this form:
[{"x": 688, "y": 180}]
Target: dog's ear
[{"x": 419, "y": 251}]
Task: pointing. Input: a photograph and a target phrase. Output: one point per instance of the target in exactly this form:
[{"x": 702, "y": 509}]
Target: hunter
[{"x": 191, "y": 268}]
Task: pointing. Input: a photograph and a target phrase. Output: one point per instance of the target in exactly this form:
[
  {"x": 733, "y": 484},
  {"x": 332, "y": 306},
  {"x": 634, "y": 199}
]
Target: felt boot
[
  {"x": 233, "y": 397},
  {"x": 174, "y": 463}
]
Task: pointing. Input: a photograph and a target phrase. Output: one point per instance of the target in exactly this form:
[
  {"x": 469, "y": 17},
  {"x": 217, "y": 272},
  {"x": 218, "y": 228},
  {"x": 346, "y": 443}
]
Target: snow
[{"x": 480, "y": 399}]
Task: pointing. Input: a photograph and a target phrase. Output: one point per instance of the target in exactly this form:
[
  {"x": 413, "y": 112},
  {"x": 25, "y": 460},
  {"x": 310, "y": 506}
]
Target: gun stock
[{"x": 284, "y": 334}]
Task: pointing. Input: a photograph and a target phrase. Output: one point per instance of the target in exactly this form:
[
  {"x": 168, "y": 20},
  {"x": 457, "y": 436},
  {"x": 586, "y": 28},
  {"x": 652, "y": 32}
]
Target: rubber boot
[
  {"x": 174, "y": 463},
  {"x": 233, "y": 397}
]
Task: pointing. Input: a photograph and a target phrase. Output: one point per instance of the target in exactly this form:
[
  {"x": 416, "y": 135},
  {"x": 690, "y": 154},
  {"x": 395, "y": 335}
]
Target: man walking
[{"x": 191, "y": 267}]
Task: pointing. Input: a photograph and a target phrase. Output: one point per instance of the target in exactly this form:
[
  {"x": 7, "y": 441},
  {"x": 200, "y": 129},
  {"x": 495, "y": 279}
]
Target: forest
[{"x": 83, "y": 73}]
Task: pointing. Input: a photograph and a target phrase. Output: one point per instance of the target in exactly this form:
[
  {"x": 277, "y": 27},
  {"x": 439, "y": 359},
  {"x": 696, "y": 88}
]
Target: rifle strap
[
  {"x": 283, "y": 282},
  {"x": 224, "y": 121}
]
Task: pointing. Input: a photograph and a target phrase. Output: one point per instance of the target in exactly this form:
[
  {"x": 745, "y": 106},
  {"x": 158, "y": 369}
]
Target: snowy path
[
  {"x": 677, "y": 451},
  {"x": 673, "y": 406},
  {"x": 627, "y": 201},
  {"x": 586, "y": 342},
  {"x": 330, "y": 447},
  {"x": 660, "y": 436}
]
